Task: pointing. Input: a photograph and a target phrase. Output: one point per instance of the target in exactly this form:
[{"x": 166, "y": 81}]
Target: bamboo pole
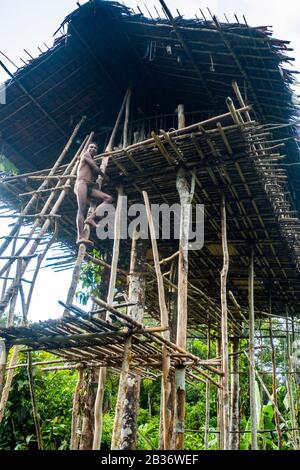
[
  {"x": 9, "y": 378},
  {"x": 224, "y": 329},
  {"x": 274, "y": 388},
  {"x": 126, "y": 120},
  {"x": 87, "y": 400},
  {"x": 289, "y": 384},
  {"x": 3, "y": 358},
  {"x": 260, "y": 380},
  {"x": 220, "y": 436},
  {"x": 164, "y": 319},
  {"x": 173, "y": 326},
  {"x": 36, "y": 416},
  {"x": 75, "y": 425},
  {"x": 207, "y": 394},
  {"x": 253, "y": 412}
]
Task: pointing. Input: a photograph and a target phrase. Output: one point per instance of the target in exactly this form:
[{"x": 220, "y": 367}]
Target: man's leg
[
  {"x": 81, "y": 193},
  {"x": 98, "y": 196}
]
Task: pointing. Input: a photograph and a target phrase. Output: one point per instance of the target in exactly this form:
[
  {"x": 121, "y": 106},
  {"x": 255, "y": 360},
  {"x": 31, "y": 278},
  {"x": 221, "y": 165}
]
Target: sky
[{"x": 28, "y": 24}]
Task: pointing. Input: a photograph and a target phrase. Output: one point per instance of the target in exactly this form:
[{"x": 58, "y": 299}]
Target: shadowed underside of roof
[{"x": 261, "y": 212}]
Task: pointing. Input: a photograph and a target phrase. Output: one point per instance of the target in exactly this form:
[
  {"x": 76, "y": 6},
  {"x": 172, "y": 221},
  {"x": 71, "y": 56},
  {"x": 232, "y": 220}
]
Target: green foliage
[
  {"x": 6, "y": 166},
  {"x": 54, "y": 392}
]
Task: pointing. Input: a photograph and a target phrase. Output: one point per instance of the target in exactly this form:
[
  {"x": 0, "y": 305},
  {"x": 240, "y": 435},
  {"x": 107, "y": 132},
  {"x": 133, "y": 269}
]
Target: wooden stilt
[
  {"x": 36, "y": 416},
  {"x": 274, "y": 387},
  {"x": 224, "y": 329},
  {"x": 173, "y": 327},
  {"x": 207, "y": 394},
  {"x": 75, "y": 428},
  {"x": 87, "y": 401},
  {"x": 3, "y": 359},
  {"x": 220, "y": 427},
  {"x": 9, "y": 378},
  {"x": 125, "y": 426},
  {"x": 111, "y": 290},
  {"x": 252, "y": 385},
  {"x": 164, "y": 318},
  {"x": 289, "y": 384},
  {"x": 122, "y": 392},
  {"x": 186, "y": 197}
]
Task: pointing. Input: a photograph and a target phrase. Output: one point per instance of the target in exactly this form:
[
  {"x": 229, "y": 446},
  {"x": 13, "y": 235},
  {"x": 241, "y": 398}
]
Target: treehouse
[{"x": 185, "y": 111}]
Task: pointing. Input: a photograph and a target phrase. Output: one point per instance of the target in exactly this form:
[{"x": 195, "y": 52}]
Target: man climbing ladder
[{"x": 85, "y": 189}]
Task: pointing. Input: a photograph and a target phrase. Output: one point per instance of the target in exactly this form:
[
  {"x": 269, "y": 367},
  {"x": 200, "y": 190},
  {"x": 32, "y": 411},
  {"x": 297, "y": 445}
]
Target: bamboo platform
[
  {"x": 230, "y": 154},
  {"x": 90, "y": 341}
]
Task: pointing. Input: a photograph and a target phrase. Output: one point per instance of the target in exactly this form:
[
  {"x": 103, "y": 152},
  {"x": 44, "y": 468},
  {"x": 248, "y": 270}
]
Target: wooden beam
[
  {"x": 224, "y": 330},
  {"x": 234, "y": 439}
]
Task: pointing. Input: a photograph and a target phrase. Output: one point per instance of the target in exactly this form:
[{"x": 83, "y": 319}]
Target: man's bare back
[{"x": 85, "y": 189}]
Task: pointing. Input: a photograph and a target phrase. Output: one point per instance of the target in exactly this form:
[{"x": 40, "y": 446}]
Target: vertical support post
[
  {"x": 126, "y": 120},
  {"x": 74, "y": 442},
  {"x": 253, "y": 412},
  {"x": 3, "y": 359},
  {"x": 36, "y": 416},
  {"x": 164, "y": 318},
  {"x": 274, "y": 388},
  {"x": 207, "y": 394},
  {"x": 87, "y": 400},
  {"x": 220, "y": 427},
  {"x": 136, "y": 295},
  {"x": 289, "y": 383},
  {"x": 224, "y": 329},
  {"x": 234, "y": 438},
  {"x": 9, "y": 378},
  {"x": 98, "y": 416},
  {"x": 184, "y": 195},
  {"x": 117, "y": 429}
]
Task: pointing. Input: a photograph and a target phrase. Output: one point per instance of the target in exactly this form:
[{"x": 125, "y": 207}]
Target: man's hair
[{"x": 93, "y": 143}]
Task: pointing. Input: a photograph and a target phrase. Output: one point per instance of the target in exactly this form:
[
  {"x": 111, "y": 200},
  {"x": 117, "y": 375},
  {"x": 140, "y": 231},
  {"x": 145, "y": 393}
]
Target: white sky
[{"x": 27, "y": 24}]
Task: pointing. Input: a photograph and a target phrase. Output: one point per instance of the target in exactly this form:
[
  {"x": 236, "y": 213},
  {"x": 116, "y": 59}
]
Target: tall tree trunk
[
  {"x": 224, "y": 329},
  {"x": 88, "y": 396},
  {"x": 125, "y": 425}
]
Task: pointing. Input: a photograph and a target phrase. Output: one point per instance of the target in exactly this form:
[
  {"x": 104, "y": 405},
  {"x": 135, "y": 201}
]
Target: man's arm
[{"x": 91, "y": 162}]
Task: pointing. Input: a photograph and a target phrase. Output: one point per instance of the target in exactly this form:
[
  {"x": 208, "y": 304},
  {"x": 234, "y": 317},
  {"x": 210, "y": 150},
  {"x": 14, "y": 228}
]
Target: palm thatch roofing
[{"x": 104, "y": 46}]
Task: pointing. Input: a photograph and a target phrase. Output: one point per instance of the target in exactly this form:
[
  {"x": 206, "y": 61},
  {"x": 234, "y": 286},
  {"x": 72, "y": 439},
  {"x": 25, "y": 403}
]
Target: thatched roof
[{"x": 104, "y": 46}]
